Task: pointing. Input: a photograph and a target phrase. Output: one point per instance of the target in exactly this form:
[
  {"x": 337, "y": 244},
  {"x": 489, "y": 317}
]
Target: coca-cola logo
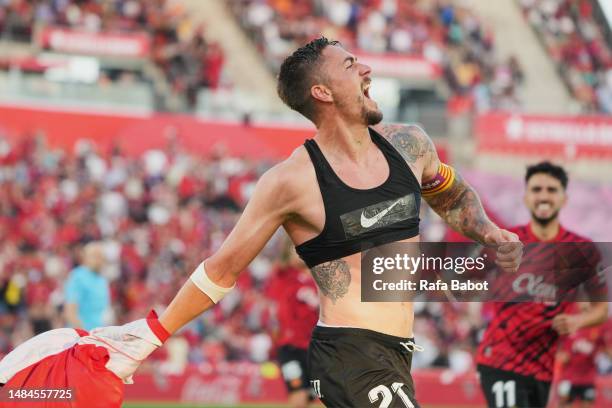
[
  {"x": 220, "y": 390},
  {"x": 229, "y": 368}
]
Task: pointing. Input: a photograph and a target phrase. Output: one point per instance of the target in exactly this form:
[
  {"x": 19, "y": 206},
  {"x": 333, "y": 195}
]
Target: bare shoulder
[
  {"x": 296, "y": 166},
  {"x": 411, "y": 141},
  {"x": 287, "y": 179}
]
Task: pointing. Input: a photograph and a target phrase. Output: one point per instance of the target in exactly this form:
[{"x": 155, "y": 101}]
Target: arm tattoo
[
  {"x": 410, "y": 141},
  {"x": 458, "y": 205},
  {"x": 333, "y": 278},
  {"x": 462, "y": 210}
]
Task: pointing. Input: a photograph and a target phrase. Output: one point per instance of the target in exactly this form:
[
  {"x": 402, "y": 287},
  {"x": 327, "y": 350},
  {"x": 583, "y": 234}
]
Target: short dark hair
[
  {"x": 298, "y": 74},
  {"x": 547, "y": 167}
]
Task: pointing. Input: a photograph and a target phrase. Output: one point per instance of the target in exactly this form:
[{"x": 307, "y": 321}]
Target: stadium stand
[
  {"x": 444, "y": 33},
  {"x": 577, "y": 42},
  {"x": 159, "y": 31},
  {"x": 158, "y": 215}
]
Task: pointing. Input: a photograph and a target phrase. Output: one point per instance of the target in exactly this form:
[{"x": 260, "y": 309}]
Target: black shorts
[
  {"x": 292, "y": 361},
  {"x": 505, "y": 389},
  {"x": 576, "y": 392},
  {"x": 360, "y": 368}
]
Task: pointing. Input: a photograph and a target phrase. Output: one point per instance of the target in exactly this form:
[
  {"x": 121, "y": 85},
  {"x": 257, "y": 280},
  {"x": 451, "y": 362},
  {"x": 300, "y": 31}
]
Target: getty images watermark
[
  {"x": 413, "y": 264},
  {"x": 549, "y": 272}
]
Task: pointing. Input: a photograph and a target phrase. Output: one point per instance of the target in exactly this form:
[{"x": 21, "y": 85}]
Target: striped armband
[
  {"x": 210, "y": 288},
  {"x": 441, "y": 182}
]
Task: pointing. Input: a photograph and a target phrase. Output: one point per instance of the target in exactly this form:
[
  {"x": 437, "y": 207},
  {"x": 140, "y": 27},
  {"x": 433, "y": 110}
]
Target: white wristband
[{"x": 210, "y": 288}]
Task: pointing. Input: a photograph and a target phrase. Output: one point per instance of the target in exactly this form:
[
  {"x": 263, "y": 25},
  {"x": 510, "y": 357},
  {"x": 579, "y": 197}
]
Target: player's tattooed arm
[
  {"x": 333, "y": 278},
  {"x": 411, "y": 142},
  {"x": 462, "y": 210},
  {"x": 458, "y": 205}
]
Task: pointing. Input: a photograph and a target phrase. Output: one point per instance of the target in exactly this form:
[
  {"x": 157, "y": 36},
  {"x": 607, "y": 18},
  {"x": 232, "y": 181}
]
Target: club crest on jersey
[{"x": 379, "y": 215}]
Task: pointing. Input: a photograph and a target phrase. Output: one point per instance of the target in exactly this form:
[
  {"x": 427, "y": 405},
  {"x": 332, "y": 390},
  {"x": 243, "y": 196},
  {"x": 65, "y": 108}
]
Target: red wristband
[{"x": 156, "y": 327}]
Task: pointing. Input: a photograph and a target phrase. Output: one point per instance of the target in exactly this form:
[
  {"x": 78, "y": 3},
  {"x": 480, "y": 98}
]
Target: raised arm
[
  {"x": 265, "y": 212},
  {"x": 449, "y": 195}
]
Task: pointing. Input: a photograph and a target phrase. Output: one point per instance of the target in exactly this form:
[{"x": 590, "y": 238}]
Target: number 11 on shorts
[
  {"x": 509, "y": 389},
  {"x": 387, "y": 395}
]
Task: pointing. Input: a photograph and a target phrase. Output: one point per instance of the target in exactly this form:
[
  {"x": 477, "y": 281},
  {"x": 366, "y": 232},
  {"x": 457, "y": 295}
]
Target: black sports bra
[{"x": 356, "y": 219}]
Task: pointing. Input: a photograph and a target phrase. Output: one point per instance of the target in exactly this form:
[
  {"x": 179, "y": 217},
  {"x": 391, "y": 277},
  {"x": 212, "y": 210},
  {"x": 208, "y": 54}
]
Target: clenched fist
[{"x": 509, "y": 250}]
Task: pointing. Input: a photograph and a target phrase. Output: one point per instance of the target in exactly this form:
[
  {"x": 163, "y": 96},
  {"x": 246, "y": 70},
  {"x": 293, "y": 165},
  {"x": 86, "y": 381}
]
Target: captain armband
[
  {"x": 441, "y": 182},
  {"x": 210, "y": 288}
]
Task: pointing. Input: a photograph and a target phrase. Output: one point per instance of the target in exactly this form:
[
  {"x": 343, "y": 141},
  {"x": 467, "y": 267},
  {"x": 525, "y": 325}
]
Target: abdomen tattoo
[{"x": 333, "y": 278}]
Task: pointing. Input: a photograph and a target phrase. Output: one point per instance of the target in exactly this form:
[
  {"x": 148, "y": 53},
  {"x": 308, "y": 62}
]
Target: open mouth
[
  {"x": 544, "y": 206},
  {"x": 366, "y": 90}
]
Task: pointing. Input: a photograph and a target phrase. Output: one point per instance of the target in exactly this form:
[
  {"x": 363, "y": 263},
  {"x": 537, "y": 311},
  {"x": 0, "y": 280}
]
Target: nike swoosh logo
[{"x": 368, "y": 222}]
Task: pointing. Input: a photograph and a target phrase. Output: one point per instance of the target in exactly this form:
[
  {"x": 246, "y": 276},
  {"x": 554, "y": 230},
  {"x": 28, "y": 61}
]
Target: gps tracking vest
[{"x": 358, "y": 219}]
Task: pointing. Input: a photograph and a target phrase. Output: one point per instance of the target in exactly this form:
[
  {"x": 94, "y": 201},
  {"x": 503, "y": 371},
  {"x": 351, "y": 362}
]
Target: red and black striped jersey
[{"x": 519, "y": 336}]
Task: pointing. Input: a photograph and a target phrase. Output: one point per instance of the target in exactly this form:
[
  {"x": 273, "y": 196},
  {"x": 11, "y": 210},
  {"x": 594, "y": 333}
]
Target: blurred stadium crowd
[
  {"x": 20, "y": 18},
  {"x": 576, "y": 42},
  {"x": 449, "y": 34},
  {"x": 178, "y": 45},
  {"x": 446, "y": 34},
  {"x": 158, "y": 216}
]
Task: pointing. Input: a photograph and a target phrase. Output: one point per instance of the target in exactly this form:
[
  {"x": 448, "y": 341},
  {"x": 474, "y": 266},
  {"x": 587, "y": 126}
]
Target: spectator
[{"x": 87, "y": 291}]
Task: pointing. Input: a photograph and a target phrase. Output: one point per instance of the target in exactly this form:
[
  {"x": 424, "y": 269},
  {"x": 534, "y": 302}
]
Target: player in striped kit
[{"x": 517, "y": 353}]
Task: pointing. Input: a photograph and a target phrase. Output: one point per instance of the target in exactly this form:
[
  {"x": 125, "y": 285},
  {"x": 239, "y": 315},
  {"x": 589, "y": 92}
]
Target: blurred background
[{"x": 142, "y": 126}]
